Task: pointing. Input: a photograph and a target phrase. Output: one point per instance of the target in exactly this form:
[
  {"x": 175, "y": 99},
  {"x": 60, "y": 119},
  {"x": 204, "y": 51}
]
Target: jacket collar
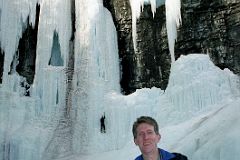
[{"x": 165, "y": 155}]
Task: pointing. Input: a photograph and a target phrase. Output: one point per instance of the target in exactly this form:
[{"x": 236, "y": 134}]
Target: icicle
[
  {"x": 136, "y": 7},
  {"x": 173, "y": 20},
  {"x": 153, "y": 6}
]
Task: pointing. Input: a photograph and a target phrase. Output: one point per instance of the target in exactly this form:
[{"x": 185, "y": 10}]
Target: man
[
  {"x": 146, "y": 136},
  {"x": 102, "y": 122}
]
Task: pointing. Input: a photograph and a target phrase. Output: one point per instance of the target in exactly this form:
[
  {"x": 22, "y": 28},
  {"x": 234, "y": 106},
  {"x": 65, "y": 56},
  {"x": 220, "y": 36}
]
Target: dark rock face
[
  {"x": 26, "y": 52},
  {"x": 211, "y": 27},
  {"x": 147, "y": 66},
  {"x": 27, "y": 55},
  {"x": 152, "y": 50},
  {"x": 121, "y": 13},
  {"x": 208, "y": 26}
]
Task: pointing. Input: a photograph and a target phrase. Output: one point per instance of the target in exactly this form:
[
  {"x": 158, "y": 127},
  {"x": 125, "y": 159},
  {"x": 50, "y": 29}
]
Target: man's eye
[{"x": 140, "y": 134}]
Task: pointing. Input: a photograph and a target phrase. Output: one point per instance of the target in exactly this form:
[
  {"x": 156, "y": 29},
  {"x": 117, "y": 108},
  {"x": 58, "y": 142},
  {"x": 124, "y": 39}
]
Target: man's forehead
[{"x": 144, "y": 126}]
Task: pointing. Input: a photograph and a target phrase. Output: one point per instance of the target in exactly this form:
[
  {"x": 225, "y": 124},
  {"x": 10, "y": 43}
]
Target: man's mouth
[{"x": 146, "y": 143}]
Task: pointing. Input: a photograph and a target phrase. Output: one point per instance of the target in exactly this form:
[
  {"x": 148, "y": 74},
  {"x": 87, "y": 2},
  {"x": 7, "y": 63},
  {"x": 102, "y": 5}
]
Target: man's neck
[{"x": 152, "y": 156}]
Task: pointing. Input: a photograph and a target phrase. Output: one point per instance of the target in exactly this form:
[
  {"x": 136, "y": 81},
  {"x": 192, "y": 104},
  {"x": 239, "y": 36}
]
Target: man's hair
[{"x": 144, "y": 119}]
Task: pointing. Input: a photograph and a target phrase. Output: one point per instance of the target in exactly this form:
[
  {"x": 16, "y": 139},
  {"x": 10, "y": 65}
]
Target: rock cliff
[{"x": 208, "y": 26}]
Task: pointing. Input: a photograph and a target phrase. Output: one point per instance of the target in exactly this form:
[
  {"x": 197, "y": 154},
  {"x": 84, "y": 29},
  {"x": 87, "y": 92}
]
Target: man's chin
[{"x": 147, "y": 149}]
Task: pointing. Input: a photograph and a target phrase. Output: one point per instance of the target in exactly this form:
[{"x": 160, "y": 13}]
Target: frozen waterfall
[{"x": 38, "y": 127}]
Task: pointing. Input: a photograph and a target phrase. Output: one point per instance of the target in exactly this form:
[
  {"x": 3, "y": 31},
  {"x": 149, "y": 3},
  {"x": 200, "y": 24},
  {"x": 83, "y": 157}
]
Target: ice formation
[
  {"x": 36, "y": 126},
  {"x": 96, "y": 72},
  {"x": 173, "y": 19}
]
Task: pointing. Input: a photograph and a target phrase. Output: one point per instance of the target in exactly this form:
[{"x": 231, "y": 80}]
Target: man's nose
[{"x": 145, "y": 136}]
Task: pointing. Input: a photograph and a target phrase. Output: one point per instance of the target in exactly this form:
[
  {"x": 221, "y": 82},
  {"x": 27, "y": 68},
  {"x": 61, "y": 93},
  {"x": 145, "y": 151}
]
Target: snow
[
  {"x": 197, "y": 113},
  {"x": 190, "y": 130},
  {"x": 200, "y": 133}
]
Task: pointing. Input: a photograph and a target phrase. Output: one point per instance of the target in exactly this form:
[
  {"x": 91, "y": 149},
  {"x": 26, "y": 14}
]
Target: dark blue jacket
[{"x": 167, "y": 156}]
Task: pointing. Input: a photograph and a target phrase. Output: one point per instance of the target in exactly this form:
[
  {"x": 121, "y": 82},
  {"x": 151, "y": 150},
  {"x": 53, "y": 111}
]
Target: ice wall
[
  {"x": 55, "y": 16},
  {"x": 14, "y": 16},
  {"x": 28, "y": 123},
  {"x": 96, "y": 73},
  {"x": 194, "y": 89}
]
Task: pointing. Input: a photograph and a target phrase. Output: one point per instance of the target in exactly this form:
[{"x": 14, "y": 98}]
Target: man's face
[{"x": 146, "y": 138}]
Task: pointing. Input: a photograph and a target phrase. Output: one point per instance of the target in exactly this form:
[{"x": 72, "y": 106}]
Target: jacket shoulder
[{"x": 179, "y": 156}]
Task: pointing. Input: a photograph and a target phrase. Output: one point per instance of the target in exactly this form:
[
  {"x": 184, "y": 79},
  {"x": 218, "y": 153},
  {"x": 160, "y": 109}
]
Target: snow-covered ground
[
  {"x": 213, "y": 135},
  {"x": 201, "y": 128},
  {"x": 198, "y": 115}
]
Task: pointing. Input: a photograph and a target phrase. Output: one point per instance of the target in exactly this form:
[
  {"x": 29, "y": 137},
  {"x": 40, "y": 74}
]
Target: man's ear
[
  {"x": 159, "y": 137},
  {"x": 135, "y": 141}
]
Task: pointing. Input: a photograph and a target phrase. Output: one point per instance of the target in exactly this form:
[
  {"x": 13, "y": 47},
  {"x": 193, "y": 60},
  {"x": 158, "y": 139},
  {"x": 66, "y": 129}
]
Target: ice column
[
  {"x": 96, "y": 73},
  {"x": 173, "y": 19}
]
